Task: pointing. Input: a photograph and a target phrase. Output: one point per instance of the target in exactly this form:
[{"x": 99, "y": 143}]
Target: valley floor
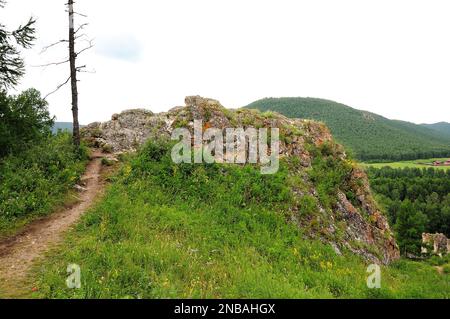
[{"x": 423, "y": 163}]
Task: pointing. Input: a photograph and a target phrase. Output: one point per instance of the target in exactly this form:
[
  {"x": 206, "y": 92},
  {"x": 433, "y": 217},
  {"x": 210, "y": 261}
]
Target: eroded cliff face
[{"x": 347, "y": 220}]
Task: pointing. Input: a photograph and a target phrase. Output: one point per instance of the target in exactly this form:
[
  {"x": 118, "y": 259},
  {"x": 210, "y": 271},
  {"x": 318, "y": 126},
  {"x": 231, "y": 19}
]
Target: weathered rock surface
[
  {"x": 356, "y": 225},
  {"x": 439, "y": 244}
]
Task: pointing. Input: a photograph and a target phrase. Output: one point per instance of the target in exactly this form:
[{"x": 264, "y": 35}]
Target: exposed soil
[{"x": 18, "y": 253}]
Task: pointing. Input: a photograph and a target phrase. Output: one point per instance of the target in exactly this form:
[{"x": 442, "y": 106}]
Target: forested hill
[
  {"x": 63, "y": 126},
  {"x": 441, "y": 127},
  {"x": 371, "y": 137}
]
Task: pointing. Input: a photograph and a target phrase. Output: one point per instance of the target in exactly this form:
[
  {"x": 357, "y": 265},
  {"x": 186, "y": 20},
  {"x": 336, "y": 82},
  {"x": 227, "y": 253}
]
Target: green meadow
[{"x": 424, "y": 163}]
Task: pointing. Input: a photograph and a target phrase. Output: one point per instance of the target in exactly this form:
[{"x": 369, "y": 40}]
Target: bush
[
  {"x": 446, "y": 269},
  {"x": 24, "y": 120},
  {"x": 329, "y": 174},
  {"x": 34, "y": 181}
]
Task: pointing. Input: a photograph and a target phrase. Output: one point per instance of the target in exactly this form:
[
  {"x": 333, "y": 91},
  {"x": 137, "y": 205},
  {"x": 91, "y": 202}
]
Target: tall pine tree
[{"x": 410, "y": 225}]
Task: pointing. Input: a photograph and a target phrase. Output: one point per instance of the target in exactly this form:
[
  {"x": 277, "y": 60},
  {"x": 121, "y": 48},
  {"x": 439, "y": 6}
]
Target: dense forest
[
  {"x": 371, "y": 137},
  {"x": 417, "y": 201},
  {"x": 441, "y": 127}
]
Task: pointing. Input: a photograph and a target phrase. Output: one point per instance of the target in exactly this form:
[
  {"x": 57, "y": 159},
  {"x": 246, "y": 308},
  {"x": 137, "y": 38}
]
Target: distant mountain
[
  {"x": 371, "y": 137},
  {"x": 64, "y": 126},
  {"x": 441, "y": 127}
]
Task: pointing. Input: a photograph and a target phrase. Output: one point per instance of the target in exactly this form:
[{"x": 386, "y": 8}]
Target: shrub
[
  {"x": 24, "y": 120},
  {"x": 34, "y": 181},
  {"x": 308, "y": 205},
  {"x": 446, "y": 269},
  {"x": 329, "y": 175}
]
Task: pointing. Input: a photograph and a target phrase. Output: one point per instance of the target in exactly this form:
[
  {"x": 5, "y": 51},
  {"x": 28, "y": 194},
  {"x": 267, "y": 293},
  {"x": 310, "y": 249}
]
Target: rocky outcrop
[
  {"x": 437, "y": 244},
  {"x": 355, "y": 224},
  {"x": 125, "y": 131}
]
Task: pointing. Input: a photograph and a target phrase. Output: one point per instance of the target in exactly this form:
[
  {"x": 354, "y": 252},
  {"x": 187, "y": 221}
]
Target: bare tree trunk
[{"x": 73, "y": 76}]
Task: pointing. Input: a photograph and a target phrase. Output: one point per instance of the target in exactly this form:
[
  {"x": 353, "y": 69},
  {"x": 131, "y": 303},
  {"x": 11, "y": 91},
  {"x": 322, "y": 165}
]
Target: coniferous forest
[
  {"x": 416, "y": 201},
  {"x": 369, "y": 136}
]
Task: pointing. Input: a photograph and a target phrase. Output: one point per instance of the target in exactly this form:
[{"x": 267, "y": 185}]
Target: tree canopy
[
  {"x": 416, "y": 200},
  {"x": 24, "y": 119}
]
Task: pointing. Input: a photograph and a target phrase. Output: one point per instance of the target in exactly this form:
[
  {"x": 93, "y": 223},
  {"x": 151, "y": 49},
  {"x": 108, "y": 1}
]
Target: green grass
[
  {"x": 410, "y": 164},
  {"x": 36, "y": 181},
  {"x": 211, "y": 231}
]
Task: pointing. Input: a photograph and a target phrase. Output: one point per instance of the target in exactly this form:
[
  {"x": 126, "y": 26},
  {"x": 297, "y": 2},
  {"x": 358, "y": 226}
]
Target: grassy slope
[
  {"x": 370, "y": 136},
  {"x": 202, "y": 231}
]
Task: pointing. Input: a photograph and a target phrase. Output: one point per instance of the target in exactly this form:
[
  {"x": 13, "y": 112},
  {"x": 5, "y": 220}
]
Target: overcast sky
[{"x": 391, "y": 57}]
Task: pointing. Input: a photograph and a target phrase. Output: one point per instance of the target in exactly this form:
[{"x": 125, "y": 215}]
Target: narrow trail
[{"x": 18, "y": 253}]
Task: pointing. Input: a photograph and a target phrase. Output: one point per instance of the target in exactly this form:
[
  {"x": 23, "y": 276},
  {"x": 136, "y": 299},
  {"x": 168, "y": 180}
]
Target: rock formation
[
  {"x": 355, "y": 224},
  {"x": 439, "y": 244}
]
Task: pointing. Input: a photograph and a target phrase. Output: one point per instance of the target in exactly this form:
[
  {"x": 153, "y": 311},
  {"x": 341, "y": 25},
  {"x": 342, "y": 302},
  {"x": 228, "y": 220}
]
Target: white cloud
[{"x": 389, "y": 57}]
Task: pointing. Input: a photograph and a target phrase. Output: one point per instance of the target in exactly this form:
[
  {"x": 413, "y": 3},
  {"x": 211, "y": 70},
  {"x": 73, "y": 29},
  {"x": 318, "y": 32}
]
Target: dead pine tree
[
  {"x": 73, "y": 76},
  {"x": 74, "y": 35}
]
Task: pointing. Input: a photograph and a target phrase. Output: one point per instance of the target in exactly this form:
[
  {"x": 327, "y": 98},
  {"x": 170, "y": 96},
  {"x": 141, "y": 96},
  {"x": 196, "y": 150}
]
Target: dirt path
[{"x": 18, "y": 253}]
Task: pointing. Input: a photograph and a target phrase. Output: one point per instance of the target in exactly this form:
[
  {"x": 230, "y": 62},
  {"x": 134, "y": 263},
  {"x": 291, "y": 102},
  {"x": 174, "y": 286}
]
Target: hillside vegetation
[
  {"x": 441, "y": 127},
  {"x": 371, "y": 137},
  {"x": 329, "y": 194},
  {"x": 211, "y": 231},
  {"x": 36, "y": 168}
]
